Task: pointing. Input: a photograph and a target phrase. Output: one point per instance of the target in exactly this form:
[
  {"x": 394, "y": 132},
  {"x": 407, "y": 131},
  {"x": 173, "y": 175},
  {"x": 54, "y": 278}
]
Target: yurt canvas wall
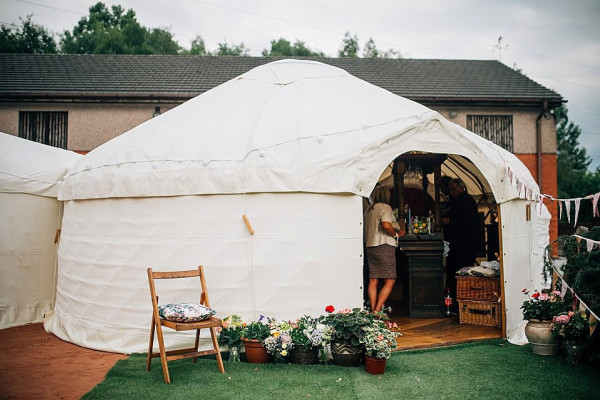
[
  {"x": 29, "y": 218},
  {"x": 294, "y": 146}
]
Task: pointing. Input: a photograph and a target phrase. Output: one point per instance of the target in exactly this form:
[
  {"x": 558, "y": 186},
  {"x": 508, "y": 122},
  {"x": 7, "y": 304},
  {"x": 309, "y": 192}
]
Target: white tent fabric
[
  {"x": 291, "y": 144},
  {"x": 29, "y": 218}
]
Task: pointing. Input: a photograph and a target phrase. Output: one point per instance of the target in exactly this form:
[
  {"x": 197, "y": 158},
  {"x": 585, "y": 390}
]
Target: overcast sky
[{"x": 555, "y": 43}]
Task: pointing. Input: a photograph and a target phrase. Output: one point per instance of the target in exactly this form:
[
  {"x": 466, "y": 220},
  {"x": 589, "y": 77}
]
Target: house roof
[{"x": 178, "y": 77}]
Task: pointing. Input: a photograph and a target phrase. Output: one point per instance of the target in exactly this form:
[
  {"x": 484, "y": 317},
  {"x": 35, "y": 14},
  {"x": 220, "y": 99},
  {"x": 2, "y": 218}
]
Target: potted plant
[
  {"x": 574, "y": 328},
  {"x": 307, "y": 338},
  {"x": 538, "y": 310},
  {"x": 230, "y": 335},
  {"x": 279, "y": 342},
  {"x": 348, "y": 328},
  {"x": 379, "y": 341},
  {"x": 253, "y": 335}
]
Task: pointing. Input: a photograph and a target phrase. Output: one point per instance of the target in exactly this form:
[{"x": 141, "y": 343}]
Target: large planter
[
  {"x": 539, "y": 335},
  {"x": 375, "y": 365},
  {"x": 304, "y": 355},
  {"x": 346, "y": 354},
  {"x": 256, "y": 353}
]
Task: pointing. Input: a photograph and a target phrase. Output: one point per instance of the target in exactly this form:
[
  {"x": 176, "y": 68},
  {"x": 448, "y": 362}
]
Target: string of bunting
[{"x": 530, "y": 194}]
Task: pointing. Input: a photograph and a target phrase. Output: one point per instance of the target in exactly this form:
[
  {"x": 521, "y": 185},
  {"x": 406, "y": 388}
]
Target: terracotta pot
[
  {"x": 256, "y": 353},
  {"x": 539, "y": 335},
  {"x": 375, "y": 365},
  {"x": 304, "y": 355},
  {"x": 344, "y": 353}
]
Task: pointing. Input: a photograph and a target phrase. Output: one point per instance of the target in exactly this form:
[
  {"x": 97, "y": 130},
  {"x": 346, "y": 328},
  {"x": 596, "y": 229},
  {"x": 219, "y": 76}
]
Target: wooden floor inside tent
[{"x": 418, "y": 333}]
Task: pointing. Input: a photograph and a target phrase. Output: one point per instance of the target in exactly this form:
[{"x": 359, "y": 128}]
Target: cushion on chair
[{"x": 185, "y": 312}]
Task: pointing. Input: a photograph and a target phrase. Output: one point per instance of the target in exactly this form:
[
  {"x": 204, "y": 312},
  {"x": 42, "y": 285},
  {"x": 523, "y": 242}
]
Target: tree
[
  {"x": 231, "y": 50},
  {"x": 198, "y": 48},
  {"x": 283, "y": 48},
  {"x": 370, "y": 50},
  {"x": 29, "y": 38},
  {"x": 349, "y": 46},
  {"x": 115, "y": 31},
  {"x": 574, "y": 178}
]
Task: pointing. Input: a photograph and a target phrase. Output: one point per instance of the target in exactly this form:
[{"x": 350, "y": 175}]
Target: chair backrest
[{"x": 178, "y": 275}]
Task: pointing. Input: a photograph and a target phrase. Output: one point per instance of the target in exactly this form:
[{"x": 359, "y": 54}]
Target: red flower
[
  {"x": 535, "y": 295},
  {"x": 329, "y": 309}
]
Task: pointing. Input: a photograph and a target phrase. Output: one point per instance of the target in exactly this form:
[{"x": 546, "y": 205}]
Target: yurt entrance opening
[{"x": 418, "y": 184}]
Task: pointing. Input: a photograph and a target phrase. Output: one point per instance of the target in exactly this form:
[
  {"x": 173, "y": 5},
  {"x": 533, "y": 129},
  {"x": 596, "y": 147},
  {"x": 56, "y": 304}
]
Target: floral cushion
[{"x": 185, "y": 312}]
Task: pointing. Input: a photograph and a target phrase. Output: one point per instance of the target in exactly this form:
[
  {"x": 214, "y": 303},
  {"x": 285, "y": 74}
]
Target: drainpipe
[{"x": 538, "y": 139}]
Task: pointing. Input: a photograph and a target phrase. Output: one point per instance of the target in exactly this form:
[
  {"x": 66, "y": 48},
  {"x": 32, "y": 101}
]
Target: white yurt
[
  {"x": 30, "y": 216},
  {"x": 294, "y": 146}
]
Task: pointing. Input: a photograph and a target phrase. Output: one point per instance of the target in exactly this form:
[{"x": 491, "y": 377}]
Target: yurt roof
[
  {"x": 286, "y": 126},
  {"x": 31, "y": 167}
]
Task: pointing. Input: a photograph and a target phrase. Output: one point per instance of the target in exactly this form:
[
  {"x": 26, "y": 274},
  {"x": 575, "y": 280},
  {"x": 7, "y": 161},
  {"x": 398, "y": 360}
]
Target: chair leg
[
  {"x": 150, "y": 345},
  {"x": 197, "y": 343},
  {"x": 213, "y": 335},
  {"x": 163, "y": 353}
]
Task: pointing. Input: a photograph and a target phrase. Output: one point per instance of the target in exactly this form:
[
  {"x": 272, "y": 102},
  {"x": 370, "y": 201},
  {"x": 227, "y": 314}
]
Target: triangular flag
[
  {"x": 560, "y": 205},
  {"x": 590, "y": 244},
  {"x": 518, "y": 188},
  {"x": 595, "y": 205},
  {"x": 568, "y": 209},
  {"x": 577, "y": 204}
]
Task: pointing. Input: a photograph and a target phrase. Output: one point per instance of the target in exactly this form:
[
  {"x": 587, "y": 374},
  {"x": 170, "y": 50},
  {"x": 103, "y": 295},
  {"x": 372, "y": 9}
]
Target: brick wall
[{"x": 549, "y": 184}]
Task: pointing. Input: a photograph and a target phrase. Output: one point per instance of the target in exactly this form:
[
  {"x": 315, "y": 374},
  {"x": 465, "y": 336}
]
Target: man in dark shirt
[{"x": 462, "y": 231}]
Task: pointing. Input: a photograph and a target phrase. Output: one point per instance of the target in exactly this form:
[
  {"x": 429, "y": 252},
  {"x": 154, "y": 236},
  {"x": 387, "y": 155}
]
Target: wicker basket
[
  {"x": 486, "y": 313},
  {"x": 477, "y": 288}
]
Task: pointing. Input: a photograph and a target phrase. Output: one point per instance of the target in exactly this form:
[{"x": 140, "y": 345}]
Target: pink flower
[
  {"x": 561, "y": 319},
  {"x": 345, "y": 311},
  {"x": 543, "y": 297},
  {"x": 556, "y": 293}
]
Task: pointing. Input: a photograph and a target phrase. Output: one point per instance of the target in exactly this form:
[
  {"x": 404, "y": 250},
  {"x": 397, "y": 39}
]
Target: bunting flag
[
  {"x": 577, "y": 203},
  {"x": 533, "y": 195},
  {"x": 590, "y": 244}
]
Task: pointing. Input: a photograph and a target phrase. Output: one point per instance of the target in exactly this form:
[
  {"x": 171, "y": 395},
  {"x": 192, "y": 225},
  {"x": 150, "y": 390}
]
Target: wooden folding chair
[{"x": 157, "y": 324}]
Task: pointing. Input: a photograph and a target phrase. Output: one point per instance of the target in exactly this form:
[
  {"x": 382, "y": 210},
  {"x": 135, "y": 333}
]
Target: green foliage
[
  {"x": 231, "y": 333},
  {"x": 572, "y": 326},
  {"x": 115, "y": 31},
  {"x": 472, "y": 371},
  {"x": 379, "y": 340},
  {"x": 542, "y": 306},
  {"x": 283, "y": 48},
  {"x": 349, "y": 324},
  {"x": 256, "y": 330},
  {"x": 350, "y": 46},
  {"x": 232, "y": 50},
  {"x": 198, "y": 48},
  {"x": 28, "y": 38},
  {"x": 370, "y": 50}
]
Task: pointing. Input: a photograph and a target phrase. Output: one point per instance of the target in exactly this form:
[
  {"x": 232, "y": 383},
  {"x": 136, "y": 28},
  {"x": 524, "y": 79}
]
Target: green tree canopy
[
  {"x": 115, "y": 31},
  {"x": 198, "y": 48},
  {"x": 226, "y": 49},
  {"x": 350, "y": 46},
  {"x": 28, "y": 38},
  {"x": 283, "y": 48},
  {"x": 574, "y": 178}
]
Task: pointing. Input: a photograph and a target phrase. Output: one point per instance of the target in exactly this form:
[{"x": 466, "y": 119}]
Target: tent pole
[{"x": 501, "y": 259}]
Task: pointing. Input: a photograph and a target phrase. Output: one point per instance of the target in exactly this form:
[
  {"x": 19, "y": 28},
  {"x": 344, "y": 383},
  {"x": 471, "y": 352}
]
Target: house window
[
  {"x": 495, "y": 128},
  {"x": 48, "y": 127}
]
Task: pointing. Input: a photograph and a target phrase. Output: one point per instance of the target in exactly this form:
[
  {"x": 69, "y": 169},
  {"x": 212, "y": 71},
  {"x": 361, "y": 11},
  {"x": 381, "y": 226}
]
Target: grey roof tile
[{"x": 187, "y": 76}]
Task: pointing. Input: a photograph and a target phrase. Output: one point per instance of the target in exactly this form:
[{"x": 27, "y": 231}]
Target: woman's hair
[{"x": 380, "y": 194}]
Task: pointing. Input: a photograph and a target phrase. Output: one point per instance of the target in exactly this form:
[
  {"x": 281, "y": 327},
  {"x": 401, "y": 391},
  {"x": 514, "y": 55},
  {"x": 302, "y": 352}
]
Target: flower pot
[
  {"x": 256, "y": 353},
  {"x": 304, "y": 355},
  {"x": 346, "y": 354},
  {"x": 539, "y": 335},
  {"x": 375, "y": 365}
]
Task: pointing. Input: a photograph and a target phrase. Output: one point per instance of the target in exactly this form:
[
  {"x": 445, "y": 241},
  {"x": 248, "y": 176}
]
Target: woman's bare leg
[{"x": 386, "y": 290}]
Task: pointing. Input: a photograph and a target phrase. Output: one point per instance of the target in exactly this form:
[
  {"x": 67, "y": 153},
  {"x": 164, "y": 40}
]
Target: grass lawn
[{"x": 485, "y": 370}]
